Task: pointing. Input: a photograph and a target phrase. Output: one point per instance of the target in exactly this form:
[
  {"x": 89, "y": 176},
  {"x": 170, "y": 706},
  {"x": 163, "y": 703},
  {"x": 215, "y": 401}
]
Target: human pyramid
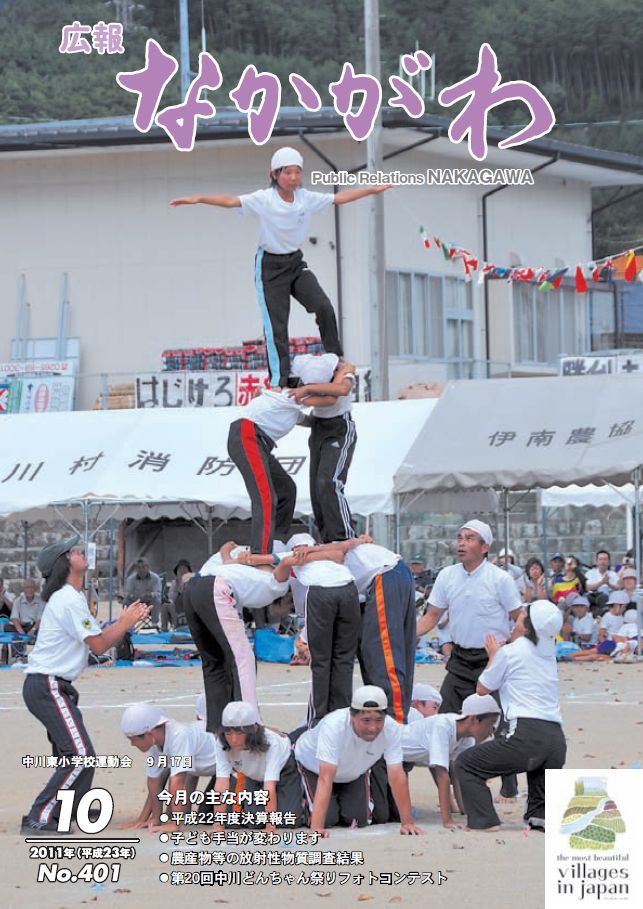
[{"x": 349, "y": 764}]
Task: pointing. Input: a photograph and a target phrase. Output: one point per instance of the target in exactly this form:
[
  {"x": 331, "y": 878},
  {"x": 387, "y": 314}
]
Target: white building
[{"x": 89, "y": 200}]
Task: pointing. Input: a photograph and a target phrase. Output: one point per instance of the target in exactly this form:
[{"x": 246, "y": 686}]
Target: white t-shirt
[
  {"x": 323, "y": 573},
  {"x": 366, "y": 561},
  {"x": 479, "y": 603},
  {"x": 274, "y": 412},
  {"x": 343, "y": 404},
  {"x": 527, "y": 682},
  {"x": 594, "y": 575},
  {"x": 432, "y": 740},
  {"x": 584, "y": 625},
  {"x": 60, "y": 648},
  {"x": 414, "y": 715},
  {"x": 252, "y": 587},
  {"x": 611, "y": 623},
  {"x": 283, "y": 226},
  {"x": 261, "y": 767},
  {"x": 185, "y": 740},
  {"x": 333, "y": 741}
]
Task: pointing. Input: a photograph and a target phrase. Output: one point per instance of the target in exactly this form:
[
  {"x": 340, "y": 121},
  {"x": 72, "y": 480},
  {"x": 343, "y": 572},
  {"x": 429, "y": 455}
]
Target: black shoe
[{"x": 29, "y": 827}]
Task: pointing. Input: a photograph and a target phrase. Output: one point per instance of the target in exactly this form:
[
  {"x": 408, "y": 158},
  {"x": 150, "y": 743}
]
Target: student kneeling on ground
[
  {"x": 260, "y": 759},
  {"x": 184, "y": 751},
  {"x": 435, "y": 742},
  {"x": 335, "y": 758}
]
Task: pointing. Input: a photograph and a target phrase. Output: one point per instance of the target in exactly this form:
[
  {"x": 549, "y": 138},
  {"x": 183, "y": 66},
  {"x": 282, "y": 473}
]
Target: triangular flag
[
  {"x": 630, "y": 266},
  {"x": 581, "y": 283}
]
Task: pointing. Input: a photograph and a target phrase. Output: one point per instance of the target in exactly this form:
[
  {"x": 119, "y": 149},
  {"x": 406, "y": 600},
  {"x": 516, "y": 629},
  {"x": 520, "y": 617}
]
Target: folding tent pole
[
  {"x": 111, "y": 569},
  {"x": 25, "y": 548},
  {"x": 396, "y": 499},
  {"x": 544, "y": 513},
  {"x": 506, "y": 510},
  {"x": 636, "y": 479}
]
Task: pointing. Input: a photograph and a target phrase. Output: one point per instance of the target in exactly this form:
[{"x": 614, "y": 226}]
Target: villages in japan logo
[{"x": 592, "y": 819}]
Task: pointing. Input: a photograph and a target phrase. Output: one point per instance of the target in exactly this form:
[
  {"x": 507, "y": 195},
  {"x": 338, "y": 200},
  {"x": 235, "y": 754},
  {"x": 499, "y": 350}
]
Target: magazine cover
[{"x": 320, "y": 421}]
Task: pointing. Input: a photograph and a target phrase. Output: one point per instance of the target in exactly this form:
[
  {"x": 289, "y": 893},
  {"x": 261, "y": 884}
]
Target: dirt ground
[{"x": 603, "y": 723}]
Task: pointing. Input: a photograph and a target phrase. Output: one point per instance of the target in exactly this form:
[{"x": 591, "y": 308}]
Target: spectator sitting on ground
[
  {"x": 611, "y": 622},
  {"x": 600, "y": 582},
  {"x": 572, "y": 581},
  {"x": 26, "y": 614},
  {"x": 627, "y": 581},
  {"x": 556, "y": 567},
  {"x": 144, "y": 585},
  {"x": 534, "y": 582},
  {"x": 582, "y": 627},
  {"x": 425, "y": 701}
]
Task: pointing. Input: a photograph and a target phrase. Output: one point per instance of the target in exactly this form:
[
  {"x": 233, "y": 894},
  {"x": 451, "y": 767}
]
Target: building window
[
  {"x": 601, "y": 311},
  {"x": 546, "y": 324},
  {"x": 431, "y": 316}
]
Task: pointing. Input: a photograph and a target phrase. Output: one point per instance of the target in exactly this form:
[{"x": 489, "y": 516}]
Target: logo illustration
[{"x": 592, "y": 818}]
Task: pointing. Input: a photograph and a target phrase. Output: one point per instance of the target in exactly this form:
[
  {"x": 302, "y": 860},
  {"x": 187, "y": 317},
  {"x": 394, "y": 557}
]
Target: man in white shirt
[
  {"x": 600, "y": 581},
  {"x": 26, "y": 614},
  {"x": 335, "y": 758},
  {"x": 182, "y": 751},
  {"x": 481, "y": 599}
]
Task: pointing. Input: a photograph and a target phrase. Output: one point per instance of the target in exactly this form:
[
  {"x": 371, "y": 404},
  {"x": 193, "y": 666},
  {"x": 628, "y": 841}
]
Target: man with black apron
[{"x": 481, "y": 599}]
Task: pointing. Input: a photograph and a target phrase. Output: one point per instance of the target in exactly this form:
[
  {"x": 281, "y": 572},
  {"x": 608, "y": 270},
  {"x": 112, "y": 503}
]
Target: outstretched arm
[
  {"x": 219, "y": 201},
  {"x": 352, "y": 195}
]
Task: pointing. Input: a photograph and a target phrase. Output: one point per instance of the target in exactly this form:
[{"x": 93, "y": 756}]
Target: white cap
[
  {"x": 482, "y": 529},
  {"x": 239, "y": 713},
  {"x": 369, "y": 697},
  {"x": 314, "y": 368},
  {"x": 477, "y": 704},
  {"x": 140, "y": 718},
  {"x": 423, "y": 692},
  {"x": 507, "y": 552},
  {"x": 547, "y": 620},
  {"x": 576, "y": 599},
  {"x": 200, "y": 707},
  {"x": 620, "y": 597},
  {"x": 284, "y": 157},
  {"x": 300, "y": 539}
]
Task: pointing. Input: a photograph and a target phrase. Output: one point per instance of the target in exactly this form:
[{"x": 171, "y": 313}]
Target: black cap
[{"x": 47, "y": 556}]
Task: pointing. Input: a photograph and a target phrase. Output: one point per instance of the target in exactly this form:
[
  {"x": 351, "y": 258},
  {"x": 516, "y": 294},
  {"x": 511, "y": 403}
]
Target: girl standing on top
[{"x": 284, "y": 211}]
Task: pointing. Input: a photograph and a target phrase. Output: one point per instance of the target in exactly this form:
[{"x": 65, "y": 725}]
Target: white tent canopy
[
  {"x": 165, "y": 462},
  {"x": 611, "y": 496},
  {"x": 525, "y": 433}
]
